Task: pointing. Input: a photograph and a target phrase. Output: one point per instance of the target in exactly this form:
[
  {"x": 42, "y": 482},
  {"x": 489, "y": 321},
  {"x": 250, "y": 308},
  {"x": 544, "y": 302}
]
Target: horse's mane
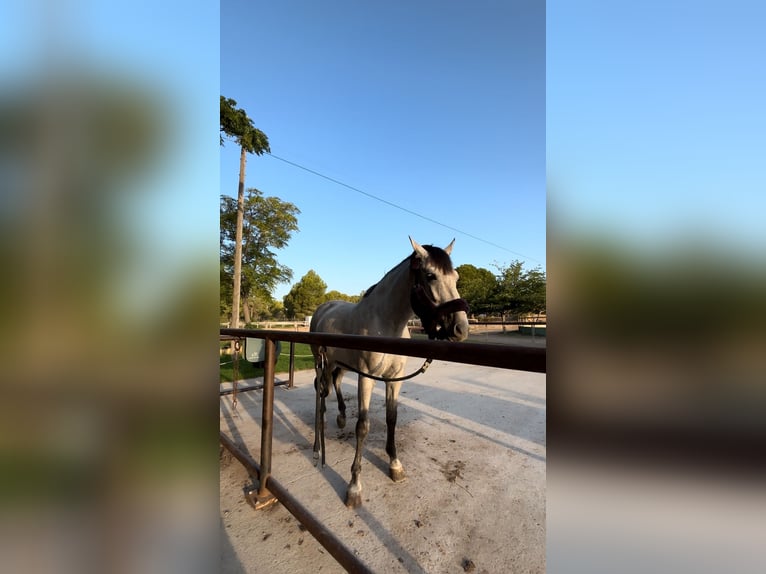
[{"x": 369, "y": 290}]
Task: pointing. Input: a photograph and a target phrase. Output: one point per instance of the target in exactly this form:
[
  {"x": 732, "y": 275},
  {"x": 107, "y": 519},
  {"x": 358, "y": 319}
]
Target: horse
[{"x": 424, "y": 284}]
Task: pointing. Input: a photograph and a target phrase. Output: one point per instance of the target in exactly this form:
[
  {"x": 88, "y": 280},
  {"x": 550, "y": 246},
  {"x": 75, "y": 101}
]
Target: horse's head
[{"x": 434, "y": 295}]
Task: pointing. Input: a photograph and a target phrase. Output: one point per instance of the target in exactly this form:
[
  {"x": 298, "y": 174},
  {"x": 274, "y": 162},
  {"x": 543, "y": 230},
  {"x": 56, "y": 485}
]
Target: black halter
[{"x": 431, "y": 315}]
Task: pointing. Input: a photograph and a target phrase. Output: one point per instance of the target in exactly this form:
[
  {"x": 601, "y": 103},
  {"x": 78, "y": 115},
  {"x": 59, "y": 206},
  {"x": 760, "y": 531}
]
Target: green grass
[{"x": 303, "y": 360}]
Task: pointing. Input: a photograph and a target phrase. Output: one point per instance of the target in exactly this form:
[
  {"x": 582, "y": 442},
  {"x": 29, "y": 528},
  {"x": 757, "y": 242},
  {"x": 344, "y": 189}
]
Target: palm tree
[{"x": 236, "y": 124}]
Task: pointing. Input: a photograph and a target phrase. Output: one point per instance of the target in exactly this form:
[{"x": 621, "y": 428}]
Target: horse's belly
[{"x": 340, "y": 317}]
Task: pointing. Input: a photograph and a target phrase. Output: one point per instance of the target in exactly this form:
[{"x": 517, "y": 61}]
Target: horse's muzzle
[
  {"x": 454, "y": 331},
  {"x": 459, "y": 331}
]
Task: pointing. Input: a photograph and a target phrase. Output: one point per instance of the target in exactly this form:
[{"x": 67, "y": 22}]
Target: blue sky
[
  {"x": 651, "y": 124},
  {"x": 436, "y": 107}
]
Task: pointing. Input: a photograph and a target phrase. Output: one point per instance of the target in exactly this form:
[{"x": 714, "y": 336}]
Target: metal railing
[{"x": 502, "y": 356}]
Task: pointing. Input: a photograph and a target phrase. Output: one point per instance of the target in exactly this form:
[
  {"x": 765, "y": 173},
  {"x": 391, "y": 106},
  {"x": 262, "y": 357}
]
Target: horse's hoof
[
  {"x": 316, "y": 459},
  {"x": 396, "y": 472},
  {"x": 341, "y": 420},
  {"x": 353, "y": 497},
  {"x": 353, "y": 500}
]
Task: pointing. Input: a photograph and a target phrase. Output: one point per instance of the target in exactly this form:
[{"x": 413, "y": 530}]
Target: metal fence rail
[{"x": 507, "y": 357}]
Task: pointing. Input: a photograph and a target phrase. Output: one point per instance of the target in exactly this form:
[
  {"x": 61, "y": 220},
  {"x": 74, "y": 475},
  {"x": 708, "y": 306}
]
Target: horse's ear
[
  {"x": 422, "y": 253},
  {"x": 448, "y": 249}
]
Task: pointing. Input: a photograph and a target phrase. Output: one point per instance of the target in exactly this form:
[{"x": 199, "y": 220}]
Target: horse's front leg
[
  {"x": 395, "y": 468},
  {"x": 354, "y": 491}
]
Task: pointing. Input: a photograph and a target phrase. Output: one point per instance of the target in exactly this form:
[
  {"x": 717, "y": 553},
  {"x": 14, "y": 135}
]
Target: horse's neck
[{"x": 391, "y": 298}]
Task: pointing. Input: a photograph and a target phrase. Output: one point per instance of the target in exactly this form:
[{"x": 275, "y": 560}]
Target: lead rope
[
  {"x": 235, "y": 374},
  {"x": 420, "y": 371}
]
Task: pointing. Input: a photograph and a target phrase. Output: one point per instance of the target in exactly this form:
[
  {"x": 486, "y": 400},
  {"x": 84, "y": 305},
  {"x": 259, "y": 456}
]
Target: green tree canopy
[
  {"x": 520, "y": 292},
  {"x": 305, "y": 296},
  {"x": 478, "y": 286},
  {"x": 237, "y": 125},
  {"x": 268, "y": 224},
  {"x": 531, "y": 292},
  {"x": 277, "y": 310},
  {"x": 338, "y": 296}
]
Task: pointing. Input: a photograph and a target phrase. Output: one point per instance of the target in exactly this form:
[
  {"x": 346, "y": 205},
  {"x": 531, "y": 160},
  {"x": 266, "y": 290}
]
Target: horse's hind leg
[
  {"x": 337, "y": 377},
  {"x": 395, "y": 469},
  {"x": 354, "y": 491}
]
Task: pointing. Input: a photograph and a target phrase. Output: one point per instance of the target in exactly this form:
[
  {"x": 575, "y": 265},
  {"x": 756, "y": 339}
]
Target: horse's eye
[{"x": 430, "y": 276}]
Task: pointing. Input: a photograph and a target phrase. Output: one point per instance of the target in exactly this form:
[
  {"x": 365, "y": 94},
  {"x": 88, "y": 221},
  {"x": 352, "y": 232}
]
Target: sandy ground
[{"x": 472, "y": 442}]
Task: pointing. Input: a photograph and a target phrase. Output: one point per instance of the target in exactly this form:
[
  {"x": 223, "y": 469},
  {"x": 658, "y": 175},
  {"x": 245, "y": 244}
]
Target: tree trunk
[
  {"x": 246, "y": 310},
  {"x": 235, "y": 306}
]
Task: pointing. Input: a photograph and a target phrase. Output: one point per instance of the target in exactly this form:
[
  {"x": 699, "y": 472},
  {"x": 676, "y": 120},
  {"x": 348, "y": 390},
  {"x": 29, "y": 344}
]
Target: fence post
[{"x": 264, "y": 497}]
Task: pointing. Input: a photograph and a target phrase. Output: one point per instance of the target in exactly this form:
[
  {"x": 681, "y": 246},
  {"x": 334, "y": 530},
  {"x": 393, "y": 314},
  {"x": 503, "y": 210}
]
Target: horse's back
[
  {"x": 329, "y": 317},
  {"x": 332, "y": 317}
]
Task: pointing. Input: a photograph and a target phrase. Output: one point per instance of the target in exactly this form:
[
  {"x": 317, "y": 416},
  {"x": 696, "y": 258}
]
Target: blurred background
[
  {"x": 109, "y": 224},
  {"x": 656, "y": 277}
]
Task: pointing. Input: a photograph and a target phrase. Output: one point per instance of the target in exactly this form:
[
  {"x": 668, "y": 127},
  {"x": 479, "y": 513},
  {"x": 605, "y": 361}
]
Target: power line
[{"x": 375, "y": 197}]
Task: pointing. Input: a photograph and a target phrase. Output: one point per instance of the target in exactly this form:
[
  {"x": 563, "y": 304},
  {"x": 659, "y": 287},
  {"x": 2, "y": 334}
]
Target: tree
[
  {"x": 256, "y": 307},
  {"x": 478, "y": 286},
  {"x": 267, "y": 224},
  {"x": 532, "y": 296},
  {"x": 236, "y": 124},
  {"x": 277, "y": 310},
  {"x": 305, "y": 296},
  {"x": 338, "y": 296},
  {"x": 508, "y": 279},
  {"x": 520, "y": 291}
]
